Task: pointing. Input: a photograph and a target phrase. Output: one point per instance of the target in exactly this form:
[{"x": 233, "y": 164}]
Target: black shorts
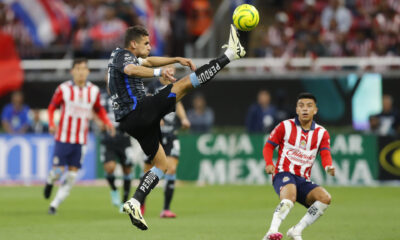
[
  {"x": 143, "y": 123},
  {"x": 171, "y": 145},
  {"x": 115, "y": 149}
]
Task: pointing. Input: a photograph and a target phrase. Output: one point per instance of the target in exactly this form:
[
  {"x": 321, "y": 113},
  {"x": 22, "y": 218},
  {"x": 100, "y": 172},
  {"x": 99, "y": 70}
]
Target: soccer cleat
[
  {"x": 47, "y": 190},
  {"x": 135, "y": 215},
  {"x": 273, "y": 236},
  {"x": 234, "y": 44},
  {"x": 293, "y": 234},
  {"x": 52, "y": 211},
  {"x": 115, "y": 200},
  {"x": 167, "y": 214}
]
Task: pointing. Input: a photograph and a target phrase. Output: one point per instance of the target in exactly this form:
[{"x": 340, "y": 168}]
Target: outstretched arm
[{"x": 162, "y": 61}]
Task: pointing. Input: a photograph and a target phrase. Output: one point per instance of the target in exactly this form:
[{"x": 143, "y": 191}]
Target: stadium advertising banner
[
  {"x": 389, "y": 158},
  {"x": 27, "y": 158},
  {"x": 237, "y": 159}
]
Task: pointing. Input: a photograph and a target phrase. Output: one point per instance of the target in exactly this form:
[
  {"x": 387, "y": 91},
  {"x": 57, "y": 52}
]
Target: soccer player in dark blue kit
[{"x": 139, "y": 115}]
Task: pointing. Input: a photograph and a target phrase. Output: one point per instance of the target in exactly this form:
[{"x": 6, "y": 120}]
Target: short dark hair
[
  {"x": 134, "y": 33},
  {"x": 79, "y": 61},
  {"x": 306, "y": 95}
]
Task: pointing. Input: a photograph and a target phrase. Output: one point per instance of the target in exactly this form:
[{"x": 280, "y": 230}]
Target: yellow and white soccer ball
[{"x": 245, "y": 17}]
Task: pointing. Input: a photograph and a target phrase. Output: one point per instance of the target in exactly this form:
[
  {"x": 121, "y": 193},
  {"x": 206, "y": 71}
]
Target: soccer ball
[{"x": 245, "y": 17}]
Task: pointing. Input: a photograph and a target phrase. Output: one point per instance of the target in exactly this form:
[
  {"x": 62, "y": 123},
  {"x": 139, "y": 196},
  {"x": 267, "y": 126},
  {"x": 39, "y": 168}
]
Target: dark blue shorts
[
  {"x": 303, "y": 186},
  {"x": 68, "y": 154}
]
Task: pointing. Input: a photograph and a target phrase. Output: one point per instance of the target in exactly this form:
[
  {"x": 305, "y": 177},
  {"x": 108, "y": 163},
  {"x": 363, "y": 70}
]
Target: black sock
[
  {"x": 147, "y": 183},
  {"x": 168, "y": 193},
  {"x": 127, "y": 187},
  {"x": 111, "y": 181},
  {"x": 208, "y": 71}
]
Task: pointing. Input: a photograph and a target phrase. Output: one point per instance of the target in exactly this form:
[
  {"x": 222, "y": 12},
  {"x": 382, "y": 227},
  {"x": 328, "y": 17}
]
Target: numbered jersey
[{"x": 298, "y": 148}]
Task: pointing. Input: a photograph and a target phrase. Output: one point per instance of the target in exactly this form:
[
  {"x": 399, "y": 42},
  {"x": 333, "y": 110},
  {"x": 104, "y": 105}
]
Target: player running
[
  {"x": 139, "y": 115},
  {"x": 77, "y": 98},
  {"x": 170, "y": 143},
  {"x": 299, "y": 141},
  {"x": 113, "y": 148}
]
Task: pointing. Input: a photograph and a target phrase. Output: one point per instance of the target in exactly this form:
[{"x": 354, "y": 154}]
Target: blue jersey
[{"x": 126, "y": 91}]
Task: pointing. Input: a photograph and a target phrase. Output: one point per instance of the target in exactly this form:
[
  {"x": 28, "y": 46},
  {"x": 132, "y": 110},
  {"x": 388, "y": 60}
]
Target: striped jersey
[
  {"x": 298, "y": 148},
  {"x": 77, "y": 105}
]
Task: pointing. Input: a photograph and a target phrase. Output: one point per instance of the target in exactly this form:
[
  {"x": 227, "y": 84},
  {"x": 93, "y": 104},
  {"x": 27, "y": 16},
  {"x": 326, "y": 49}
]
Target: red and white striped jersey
[
  {"x": 77, "y": 104},
  {"x": 298, "y": 148}
]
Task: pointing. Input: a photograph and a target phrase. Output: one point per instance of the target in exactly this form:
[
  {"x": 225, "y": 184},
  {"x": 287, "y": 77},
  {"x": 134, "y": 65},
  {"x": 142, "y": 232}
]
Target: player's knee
[{"x": 325, "y": 198}]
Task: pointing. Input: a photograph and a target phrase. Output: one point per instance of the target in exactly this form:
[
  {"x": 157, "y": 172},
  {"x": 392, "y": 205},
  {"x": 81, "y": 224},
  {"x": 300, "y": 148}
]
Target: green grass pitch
[{"x": 204, "y": 213}]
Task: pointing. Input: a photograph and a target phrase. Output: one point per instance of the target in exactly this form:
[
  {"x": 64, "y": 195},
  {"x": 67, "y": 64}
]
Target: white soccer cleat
[
  {"x": 273, "y": 236},
  {"x": 293, "y": 234},
  {"x": 133, "y": 210},
  {"x": 234, "y": 44}
]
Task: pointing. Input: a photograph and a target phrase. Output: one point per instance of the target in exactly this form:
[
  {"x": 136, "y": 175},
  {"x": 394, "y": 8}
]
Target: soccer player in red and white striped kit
[
  {"x": 77, "y": 98},
  {"x": 299, "y": 141}
]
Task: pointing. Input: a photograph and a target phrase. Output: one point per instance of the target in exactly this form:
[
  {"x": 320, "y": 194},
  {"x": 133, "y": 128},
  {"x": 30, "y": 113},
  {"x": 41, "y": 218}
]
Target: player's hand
[
  {"x": 330, "y": 170},
  {"x": 186, "y": 62},
  {"x": 270, "y": 169},
  {"x": 168, "y": 74},
  {"x": 162, "y": 123},
  {"x": 52, "y": 130},
  {"x": 185, "y": 123},
  {"x": 111, "y": 130}
]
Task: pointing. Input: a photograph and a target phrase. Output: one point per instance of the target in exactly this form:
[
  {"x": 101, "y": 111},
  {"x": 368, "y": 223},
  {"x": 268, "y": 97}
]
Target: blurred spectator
[
  {"x": 336, "y": 10},
  {"x": 387, "y": 122},
  {"x": 200, "y": 115},
  {"x": 37, "y": 125},
  {"x": 199, "y": 18},
  {"x": 108, "y": 33},
  {"x": 261, "y": 116},
  {"x": 14, "y": 117}
]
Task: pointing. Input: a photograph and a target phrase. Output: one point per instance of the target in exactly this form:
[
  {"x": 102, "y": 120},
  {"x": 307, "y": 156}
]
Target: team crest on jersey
[
  {"x": 303, "y": 144},
  {"x": 56, "y": 160},
  {"x": 285, "y": 179}
]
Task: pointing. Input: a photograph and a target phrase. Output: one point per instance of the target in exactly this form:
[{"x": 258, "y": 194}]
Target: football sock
[
  {"x": 169, "y": 189},
  {"x": 148, "y": 182},
  {"x": 208, "y": 71},
  {"x": 111, "y": 181},
  {"x": 313, "y": 213},
  {"x": 54, "y": 175},
  {"x": 65, "y": 189},
  {"x": 127, "y": 186},
  {"x": 280, "y": 214}
]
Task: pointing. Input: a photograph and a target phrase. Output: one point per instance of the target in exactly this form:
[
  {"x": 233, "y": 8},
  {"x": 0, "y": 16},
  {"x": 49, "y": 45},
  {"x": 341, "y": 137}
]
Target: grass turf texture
[{"x": 212, "y": 212}]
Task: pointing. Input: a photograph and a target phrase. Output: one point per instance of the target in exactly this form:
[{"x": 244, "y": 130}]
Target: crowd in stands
[
  {"x": 301, "y": 28},
  {"x": 98, "y": 26},
  {"x": 333, "y": 28}
]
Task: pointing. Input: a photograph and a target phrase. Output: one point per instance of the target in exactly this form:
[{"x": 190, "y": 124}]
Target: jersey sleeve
[
  {"x": 123, "y": 59},
  {"x": 325, "y": 142},
  {"x": 101, "y": 111},
  {"x": 56, "y": 101},
  {"x": 325, "y": 150},
  {"x": 274, "y": 139},
  {"x": 276, "y": 136}
]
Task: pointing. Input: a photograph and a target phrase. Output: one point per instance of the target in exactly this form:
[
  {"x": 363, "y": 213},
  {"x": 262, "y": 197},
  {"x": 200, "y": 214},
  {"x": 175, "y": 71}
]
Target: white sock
[
  {"x": 54, "y": 175},
  {"x": 64, "y": 190},
  {"x": 230, "y": 54},
  {"x": 313, "y": 213},
  {"x": 280, "y": 214},
  {"x": 135, "y": 202}
]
